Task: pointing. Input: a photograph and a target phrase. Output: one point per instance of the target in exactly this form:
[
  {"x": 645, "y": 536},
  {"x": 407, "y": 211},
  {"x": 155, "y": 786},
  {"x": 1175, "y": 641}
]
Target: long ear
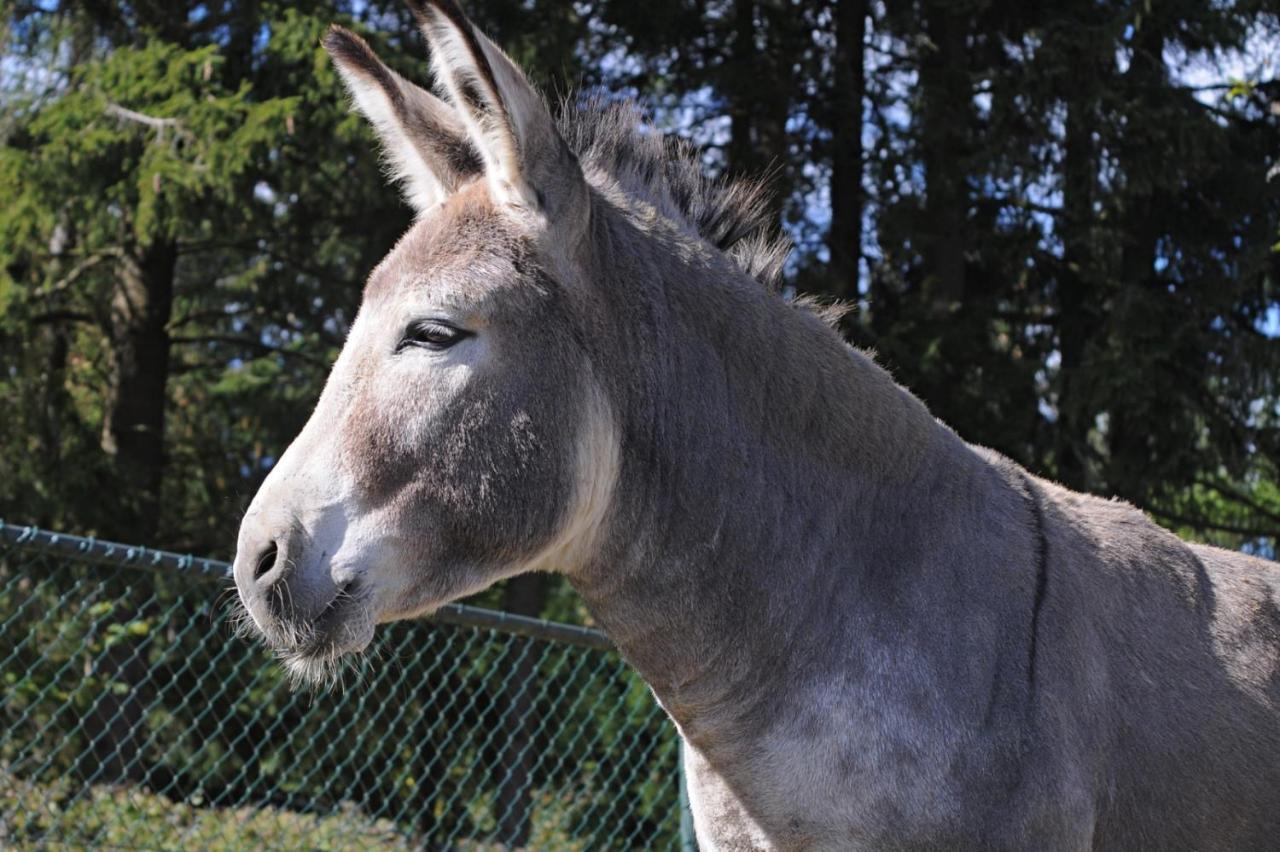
[
  {"x": 422, "y": 136},
  {"x": 524, "y": 157}
]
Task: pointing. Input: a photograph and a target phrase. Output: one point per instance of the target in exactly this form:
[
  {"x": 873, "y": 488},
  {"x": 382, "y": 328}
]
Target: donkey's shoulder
[
  {"x": 1117, "y": 561},
  {"x": 1112, "y": 533},
  {"x": 1114, "y": 568},
  {"x": 1245, "y": 622}
]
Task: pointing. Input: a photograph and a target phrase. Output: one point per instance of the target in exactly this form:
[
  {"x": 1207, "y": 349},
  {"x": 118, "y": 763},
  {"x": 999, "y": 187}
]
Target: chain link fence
[{"x": 133, "y": 718}]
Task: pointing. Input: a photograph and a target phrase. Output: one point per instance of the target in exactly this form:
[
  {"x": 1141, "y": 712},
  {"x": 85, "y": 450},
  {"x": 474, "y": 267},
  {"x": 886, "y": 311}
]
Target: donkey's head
[{"x": 462, "y": 436}]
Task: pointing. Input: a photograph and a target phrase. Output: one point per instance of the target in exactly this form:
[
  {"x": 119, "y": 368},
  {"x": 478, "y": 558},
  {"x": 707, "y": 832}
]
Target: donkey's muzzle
[{"x": 282, "y": 595}]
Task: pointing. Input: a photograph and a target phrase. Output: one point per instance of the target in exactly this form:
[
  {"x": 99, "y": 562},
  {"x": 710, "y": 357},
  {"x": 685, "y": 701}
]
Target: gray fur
[{"x": 871, "y": 634}]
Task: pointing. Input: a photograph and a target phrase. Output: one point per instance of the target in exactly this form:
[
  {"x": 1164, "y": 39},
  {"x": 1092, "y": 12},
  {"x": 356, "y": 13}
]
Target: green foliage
[
  {"x": 106, "y": 817},
  {"x": 257, "y": 183}
]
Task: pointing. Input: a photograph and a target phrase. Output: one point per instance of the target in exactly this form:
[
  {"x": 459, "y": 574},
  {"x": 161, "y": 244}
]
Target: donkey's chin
[
  {"x": 322, "y": 660},
  {"x": 316, "y": 653}
]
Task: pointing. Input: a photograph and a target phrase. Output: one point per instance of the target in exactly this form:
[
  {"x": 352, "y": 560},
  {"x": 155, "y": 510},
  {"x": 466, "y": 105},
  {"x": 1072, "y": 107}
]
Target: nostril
[{"x": 266, "y": 560}]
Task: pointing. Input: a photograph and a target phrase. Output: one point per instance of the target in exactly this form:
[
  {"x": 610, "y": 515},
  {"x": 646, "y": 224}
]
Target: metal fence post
[{"x": 688, "y": 842}]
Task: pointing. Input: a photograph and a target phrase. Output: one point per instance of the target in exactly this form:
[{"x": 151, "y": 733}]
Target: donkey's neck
[{"x": 783, "y": 513}]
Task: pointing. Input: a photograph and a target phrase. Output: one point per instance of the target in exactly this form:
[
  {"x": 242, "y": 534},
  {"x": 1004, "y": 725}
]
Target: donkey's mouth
[
  {"x": 331, "y": 626},
  {"x": 343, "y": 597},
  {"x": 344, "y": 626}
]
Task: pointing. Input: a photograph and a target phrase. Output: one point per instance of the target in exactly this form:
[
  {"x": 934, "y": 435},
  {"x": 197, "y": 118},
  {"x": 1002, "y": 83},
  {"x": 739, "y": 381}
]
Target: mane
[{"x": 730, "y": 214}]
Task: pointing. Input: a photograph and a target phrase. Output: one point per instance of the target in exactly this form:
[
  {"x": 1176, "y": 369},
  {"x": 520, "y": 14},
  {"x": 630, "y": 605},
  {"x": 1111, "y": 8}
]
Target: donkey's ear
[
  {"x": 524, "y": 157},
  {"x": 423, "y": 137}
]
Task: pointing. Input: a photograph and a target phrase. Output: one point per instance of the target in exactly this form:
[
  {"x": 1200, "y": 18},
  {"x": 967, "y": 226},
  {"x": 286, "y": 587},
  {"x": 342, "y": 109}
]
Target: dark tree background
[{"x": 1057, "y": 223}]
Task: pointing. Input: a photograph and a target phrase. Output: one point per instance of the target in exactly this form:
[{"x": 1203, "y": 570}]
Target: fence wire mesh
[{"x": 133, "y": 718}]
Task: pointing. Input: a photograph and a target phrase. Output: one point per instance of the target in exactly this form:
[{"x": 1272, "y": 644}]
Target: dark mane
[{"x": 732, "y": 215}]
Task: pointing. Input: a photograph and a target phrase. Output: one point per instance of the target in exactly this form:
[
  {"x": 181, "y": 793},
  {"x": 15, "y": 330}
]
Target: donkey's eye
[{"x": 431, "y": 334}]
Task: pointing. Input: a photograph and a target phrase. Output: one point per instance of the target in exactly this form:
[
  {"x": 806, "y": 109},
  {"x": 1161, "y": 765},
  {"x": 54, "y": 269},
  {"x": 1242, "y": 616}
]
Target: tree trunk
[
  {"x": 1128, "y": 468},
  {"x": 1078, "y": 296},
  {"x": 132, "y": 433},
  {"x": 55, "y": 399},
  {"x": 133, "y": 422},
  {"x": 844, "y": 240},
  {"x": 945, "y": 119},
  {"x": 757, "y": 86},
  {"x": 524, "y": 595},
  {"x": 743, "y": 150}
]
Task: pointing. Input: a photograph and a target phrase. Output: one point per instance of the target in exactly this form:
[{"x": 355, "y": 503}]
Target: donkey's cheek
[
  {"x": 471, "y": 497},
  {"x": 394, "y": 427},
  {"x": 500, "y": 511}
]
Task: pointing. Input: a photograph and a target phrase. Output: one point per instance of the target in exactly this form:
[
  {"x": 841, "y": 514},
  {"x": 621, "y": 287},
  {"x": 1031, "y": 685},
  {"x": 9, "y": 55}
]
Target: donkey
[{"x": 870, "y": 634}]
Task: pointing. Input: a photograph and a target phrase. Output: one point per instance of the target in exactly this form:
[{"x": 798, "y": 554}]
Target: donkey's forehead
[{"x": 447, "y": 247}]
